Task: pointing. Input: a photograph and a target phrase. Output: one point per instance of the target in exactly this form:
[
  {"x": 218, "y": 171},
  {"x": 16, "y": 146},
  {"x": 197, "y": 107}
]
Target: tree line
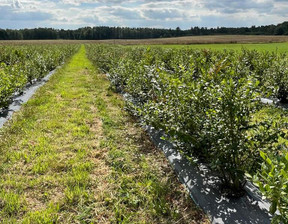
[{"x": 105, "y": 32}]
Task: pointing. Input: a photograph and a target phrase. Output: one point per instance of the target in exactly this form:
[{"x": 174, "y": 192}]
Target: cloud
[
  {"x": 163, "y": 14},
  {"x": 6, "y": 13},
  {"x": 17, "y": 4},
  {"x": 228, "y": 6},
  {"x": 144, "y": 13},
  {"x": 125, "y": 13}
]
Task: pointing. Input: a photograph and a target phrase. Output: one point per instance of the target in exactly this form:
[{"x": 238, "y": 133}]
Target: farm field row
[
  {"x": 73, "y": 155},
  {"x": 208, "y": 102},
  {"x": 21, "y": 65},
  {"x": 75, "y": 138}
]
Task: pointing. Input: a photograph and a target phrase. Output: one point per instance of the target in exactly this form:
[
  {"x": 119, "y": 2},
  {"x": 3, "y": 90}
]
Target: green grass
[
  {"x": 73, "y": 155},
  {"x": 279, "y": 47}
]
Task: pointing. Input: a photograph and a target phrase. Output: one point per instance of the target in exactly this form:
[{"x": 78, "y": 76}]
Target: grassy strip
[
  {"x": 271, "y": 47},
  {"x": 72, "y": 155}
]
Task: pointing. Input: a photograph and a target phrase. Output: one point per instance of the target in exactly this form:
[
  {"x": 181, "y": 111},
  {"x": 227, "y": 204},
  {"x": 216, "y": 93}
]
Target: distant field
[
  {"x": 20, "y": 42},
  {"x": 220, "y": 39},
  {"x": 279, "y": 47},
  {"x": 215, "y": 39},
  {"x": 220, "y": 42}
]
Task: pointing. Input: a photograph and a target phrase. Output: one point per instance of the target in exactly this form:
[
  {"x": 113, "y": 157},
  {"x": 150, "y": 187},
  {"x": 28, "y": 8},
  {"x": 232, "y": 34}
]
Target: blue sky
[{"x": 71, "y": 14}]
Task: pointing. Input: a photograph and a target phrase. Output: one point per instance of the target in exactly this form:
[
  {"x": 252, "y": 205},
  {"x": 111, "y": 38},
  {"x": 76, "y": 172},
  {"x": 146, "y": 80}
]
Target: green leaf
[
  {"x": 263, "y": 155},
  {"x": 286, "y": 156},
  {"x": 273, "y": 207}
]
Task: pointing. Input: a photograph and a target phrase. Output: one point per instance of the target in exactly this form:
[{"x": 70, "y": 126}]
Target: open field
[
  {"x": 276, "y": 47},
  {"x": 215, "y": 39},
  {"x": 41, "y": 42},
  {"x": 228, "y": 42}
]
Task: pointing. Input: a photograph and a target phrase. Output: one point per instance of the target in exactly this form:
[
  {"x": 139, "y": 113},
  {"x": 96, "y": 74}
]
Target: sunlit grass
[{"x": 277, "y": 47}]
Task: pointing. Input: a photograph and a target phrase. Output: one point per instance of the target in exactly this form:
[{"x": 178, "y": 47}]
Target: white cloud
[
  {"x": 17, "y": 4},
  {"x": 144, "y": 13}
]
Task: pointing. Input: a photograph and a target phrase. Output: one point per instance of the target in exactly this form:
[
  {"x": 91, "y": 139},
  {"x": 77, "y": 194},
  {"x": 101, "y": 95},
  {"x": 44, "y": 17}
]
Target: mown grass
[
  {"x": 272, "y": 47},
  {"x": 73, "y": 155}
]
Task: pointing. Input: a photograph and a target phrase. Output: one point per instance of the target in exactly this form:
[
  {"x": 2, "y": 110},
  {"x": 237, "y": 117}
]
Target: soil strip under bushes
[{"x": 274, "y": 102}]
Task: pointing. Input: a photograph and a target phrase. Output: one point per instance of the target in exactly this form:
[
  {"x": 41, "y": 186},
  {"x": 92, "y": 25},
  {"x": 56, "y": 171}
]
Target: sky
[{"x": 73, "y": 14}]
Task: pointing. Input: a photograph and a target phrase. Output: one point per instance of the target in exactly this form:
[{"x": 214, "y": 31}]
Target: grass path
[{"x": 73, "y": 155}]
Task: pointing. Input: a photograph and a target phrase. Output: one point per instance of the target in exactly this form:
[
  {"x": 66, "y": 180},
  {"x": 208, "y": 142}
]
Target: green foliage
[
  {"x": 272, "y": 181},
  {"x": 20, "y": 65},
  {"x": 228, "y": 122},
  {"x": 278, "y": 78},
  {"x": 205, "y": 101}
]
